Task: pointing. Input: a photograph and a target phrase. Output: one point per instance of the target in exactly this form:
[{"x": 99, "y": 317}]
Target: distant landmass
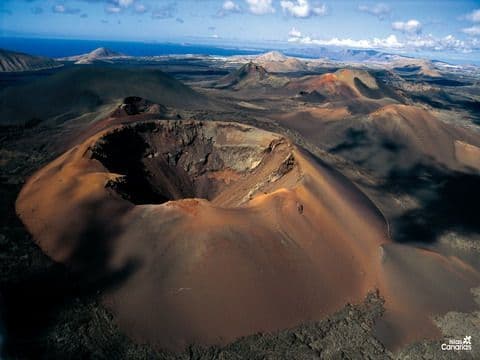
[
  {"x": 98, "y": 55},
  {"x": 63, "y": 48},
  {"x": 275, "y": 61},
  {"x": 11, "y": 61}
]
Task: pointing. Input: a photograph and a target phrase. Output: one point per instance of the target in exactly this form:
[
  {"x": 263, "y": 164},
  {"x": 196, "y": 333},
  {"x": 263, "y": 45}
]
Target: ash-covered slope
[
  {"x": 79, "y": 90},
  {"x": 218, "y": 230},
  {"x": 11, "y": 61}
]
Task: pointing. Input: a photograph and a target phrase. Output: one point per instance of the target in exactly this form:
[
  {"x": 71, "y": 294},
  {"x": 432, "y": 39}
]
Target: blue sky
[{"x": 449, "y": 27}]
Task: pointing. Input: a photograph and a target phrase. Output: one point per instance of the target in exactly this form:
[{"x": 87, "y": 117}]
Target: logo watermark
[{"x": 464, "y": 344}]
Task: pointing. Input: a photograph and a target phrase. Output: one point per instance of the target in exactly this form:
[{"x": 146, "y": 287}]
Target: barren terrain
[{"x": 255, "y": 207}]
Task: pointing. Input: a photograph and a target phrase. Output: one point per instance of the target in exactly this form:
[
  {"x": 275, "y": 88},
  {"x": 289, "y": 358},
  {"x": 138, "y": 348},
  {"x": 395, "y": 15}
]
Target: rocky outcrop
[{"x": 135, "y": 105}]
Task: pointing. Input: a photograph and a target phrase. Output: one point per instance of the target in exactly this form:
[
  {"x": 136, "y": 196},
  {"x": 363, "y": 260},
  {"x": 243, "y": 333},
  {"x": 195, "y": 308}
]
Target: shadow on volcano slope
[
  {"x": 400, "y": 136},
  {"x": 447, "y": 201},
  {"x": 419, "y": 157},
  {"x": 34, "y": 291}
]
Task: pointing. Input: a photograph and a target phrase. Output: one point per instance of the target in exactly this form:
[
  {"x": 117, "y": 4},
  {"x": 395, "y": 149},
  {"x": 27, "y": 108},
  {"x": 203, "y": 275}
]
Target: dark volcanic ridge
[
  {"x": 76, "y": 91},
  {"x": 11, "y": 61},
  {"x": 248, "y": 75}
]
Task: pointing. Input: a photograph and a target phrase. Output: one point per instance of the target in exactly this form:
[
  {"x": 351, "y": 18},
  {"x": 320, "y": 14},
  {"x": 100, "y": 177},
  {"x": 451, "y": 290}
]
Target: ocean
[{"x": 56, "y": 48}]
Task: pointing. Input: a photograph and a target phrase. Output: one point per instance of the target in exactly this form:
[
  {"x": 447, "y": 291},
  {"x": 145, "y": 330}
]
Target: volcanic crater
[
  {"x": 224, "y": 163},
  {"x": 217, "y": 230},
  {"x": 218, "y": 217}
]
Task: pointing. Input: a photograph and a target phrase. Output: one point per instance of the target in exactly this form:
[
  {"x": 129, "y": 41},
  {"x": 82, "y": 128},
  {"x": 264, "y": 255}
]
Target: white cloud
[
  {"x": 117, "y": 6},
  {"x": 473, "y": 30},
  {"x": 448, "y": 42},
  {"x": 411, "y": 26},
  {"x": 229, "y": 5},
  {"x": 379, "y": 10},
  {"x": 112, "y": 9},
  {"x": 63, "y": 9},
  {"x": 125, "y": 3},
  {"x": 474, "y": 16},
  {"x": 302, "y": 8},
  {"x": 294, "y": 33},
  {"x": 391, "y": 42},
  {"x": 260, "y": 7},
  {"x": 140, "y": 8}
]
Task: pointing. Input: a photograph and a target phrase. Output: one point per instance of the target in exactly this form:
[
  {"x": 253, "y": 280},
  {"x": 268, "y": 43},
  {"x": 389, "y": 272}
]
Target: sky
[{"x": 447, "y": 28}]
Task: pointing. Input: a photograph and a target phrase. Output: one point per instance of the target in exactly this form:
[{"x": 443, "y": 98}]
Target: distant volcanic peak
[
  {"x": 277, "y": 62},
  {"x": 11, "y": 61},
  {"x": 349, "y": 75},
  {"x": 103, "y": 53},
  {"x": 249, "y": 74},
  {"x": 420, "y": 66},
  {"x": 272, "y": 56},
  {"x": 328, "y": 85},
  {"x": 344, "y": 84},
  {"x": 253, "y": 70},
  {"x": 100, "y": 54}
]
